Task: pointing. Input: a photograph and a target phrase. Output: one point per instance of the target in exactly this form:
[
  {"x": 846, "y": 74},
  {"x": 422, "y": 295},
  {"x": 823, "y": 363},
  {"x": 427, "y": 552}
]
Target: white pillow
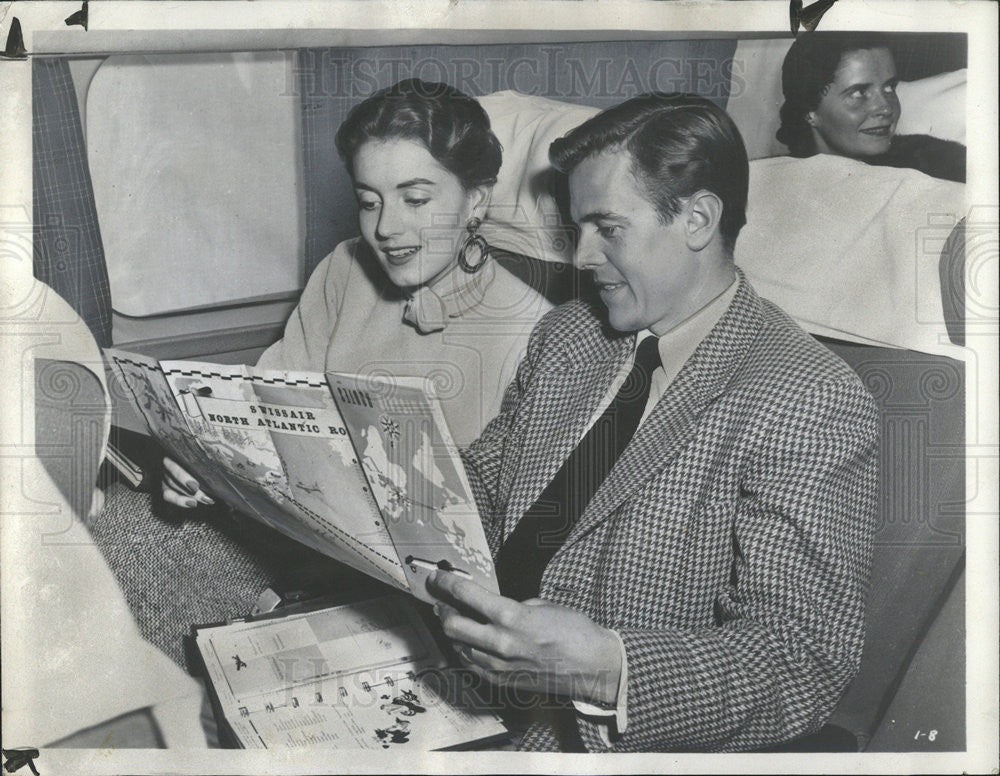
[
  {"x": 755, "y": 96},
  {"x": 934, "y": 106},
  {"x": 523, "y": 216}
]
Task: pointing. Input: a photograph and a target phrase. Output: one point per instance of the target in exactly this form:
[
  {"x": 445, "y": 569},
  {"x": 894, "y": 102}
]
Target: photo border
[{"x": 201, "y": 25}]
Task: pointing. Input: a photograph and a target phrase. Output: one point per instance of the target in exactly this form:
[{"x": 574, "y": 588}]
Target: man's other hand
[{"x": 533, "y": 645}]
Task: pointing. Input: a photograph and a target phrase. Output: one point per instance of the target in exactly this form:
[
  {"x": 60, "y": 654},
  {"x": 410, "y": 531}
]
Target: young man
[{"x": 683, "y": 561}]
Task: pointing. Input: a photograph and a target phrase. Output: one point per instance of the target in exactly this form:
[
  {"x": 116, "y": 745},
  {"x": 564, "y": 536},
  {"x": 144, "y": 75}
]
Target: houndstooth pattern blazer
[{"x": 730, "y": 545}]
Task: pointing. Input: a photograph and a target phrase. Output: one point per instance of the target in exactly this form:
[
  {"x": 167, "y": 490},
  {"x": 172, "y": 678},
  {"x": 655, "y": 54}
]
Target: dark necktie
[{"x": 544, "y": 527}]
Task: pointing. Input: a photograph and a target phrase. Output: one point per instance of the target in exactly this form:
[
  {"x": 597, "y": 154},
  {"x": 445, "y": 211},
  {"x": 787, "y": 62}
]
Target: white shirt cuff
[{"x": 608, "y": 715}]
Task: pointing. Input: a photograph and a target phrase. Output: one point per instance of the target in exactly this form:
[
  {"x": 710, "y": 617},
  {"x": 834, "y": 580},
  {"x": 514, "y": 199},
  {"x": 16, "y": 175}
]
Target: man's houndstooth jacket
[{"x": 730, "y": 545}]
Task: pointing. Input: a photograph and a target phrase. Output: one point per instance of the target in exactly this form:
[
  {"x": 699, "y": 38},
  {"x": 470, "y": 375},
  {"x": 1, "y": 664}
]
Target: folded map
[{"x": 360, "y": 468}]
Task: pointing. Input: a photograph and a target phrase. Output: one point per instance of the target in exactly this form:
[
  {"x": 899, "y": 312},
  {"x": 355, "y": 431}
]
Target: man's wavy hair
[
  {"x": 452, "y": 126},
  {"x": 679, "y": 144}
]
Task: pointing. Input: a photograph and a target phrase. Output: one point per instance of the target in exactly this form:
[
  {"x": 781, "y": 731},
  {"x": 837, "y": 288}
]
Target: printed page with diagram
[{"x": 367, "y": 675}]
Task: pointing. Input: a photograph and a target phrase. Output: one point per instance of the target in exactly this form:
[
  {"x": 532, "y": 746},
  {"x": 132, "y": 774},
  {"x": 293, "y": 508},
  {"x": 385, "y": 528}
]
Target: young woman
[
  {"x": 840, "y": 98},
  {"x": 417, "y": 294}
]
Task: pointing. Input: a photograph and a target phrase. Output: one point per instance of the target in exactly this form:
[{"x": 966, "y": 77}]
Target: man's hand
[
  {"x": 534, "y": 645},
  {"x": 180, "y": 488}
]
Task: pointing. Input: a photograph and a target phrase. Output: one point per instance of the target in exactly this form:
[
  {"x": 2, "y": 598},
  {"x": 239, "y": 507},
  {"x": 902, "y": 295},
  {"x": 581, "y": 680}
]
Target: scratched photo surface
[{"x": 171, "y": 187}]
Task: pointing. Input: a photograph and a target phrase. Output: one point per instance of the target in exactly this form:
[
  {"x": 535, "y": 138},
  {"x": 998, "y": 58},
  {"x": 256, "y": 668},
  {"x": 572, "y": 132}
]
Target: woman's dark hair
[
  {"x": 809, "y": 68},
  {"x": 679, "y": 143},
  {"x": 451, "y": 125}
]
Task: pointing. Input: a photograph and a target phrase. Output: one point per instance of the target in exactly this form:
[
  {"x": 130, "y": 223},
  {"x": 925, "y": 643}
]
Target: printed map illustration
[{"x": 416, "y": 477}]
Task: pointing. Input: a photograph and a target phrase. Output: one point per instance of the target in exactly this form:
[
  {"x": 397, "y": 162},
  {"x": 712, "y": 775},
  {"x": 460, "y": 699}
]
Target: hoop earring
[{"x": 476, "y": 242}]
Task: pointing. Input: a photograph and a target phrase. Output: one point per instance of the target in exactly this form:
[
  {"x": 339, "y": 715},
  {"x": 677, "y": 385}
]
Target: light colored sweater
[{"x": 351, "y": 319}]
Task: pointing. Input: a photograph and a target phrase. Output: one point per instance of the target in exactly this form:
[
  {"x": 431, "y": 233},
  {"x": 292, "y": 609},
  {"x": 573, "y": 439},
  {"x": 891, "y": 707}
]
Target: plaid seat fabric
[
  {"x": 68, "y": 253},
  {"x": 179, "y": 568},
  {"x": 729, "y": 547}
]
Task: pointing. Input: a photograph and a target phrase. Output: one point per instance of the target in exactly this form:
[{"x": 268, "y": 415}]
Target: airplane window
[{"x": 195, "y": 167}]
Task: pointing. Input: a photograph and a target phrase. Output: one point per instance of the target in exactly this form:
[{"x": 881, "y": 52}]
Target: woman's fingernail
[
  {"x": 192, "y": 486},
  {"x": 206, "y": 499},
  {"x": 190, "y": 502}
]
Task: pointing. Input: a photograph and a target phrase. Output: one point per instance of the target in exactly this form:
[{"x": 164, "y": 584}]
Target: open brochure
[
  {"x": 367, "y": 675},
  {"x": 362, "y": 469}
]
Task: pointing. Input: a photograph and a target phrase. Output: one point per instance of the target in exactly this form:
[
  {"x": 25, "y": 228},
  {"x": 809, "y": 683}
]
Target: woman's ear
[
  {"x": 702, "y": 218},
  {"x": 479, "y": 200}
]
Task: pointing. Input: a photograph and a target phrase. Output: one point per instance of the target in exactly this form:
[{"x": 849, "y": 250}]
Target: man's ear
[{"x": 704, "y": 212}]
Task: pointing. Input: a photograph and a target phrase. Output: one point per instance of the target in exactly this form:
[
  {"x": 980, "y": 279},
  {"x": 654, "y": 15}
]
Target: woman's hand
[
  {"x": 180, "y": 488},
  {"x": 534, "y": 645}
]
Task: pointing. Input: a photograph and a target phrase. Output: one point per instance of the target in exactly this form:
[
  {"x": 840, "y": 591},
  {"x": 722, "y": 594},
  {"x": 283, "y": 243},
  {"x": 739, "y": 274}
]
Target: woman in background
[
  {"x": 417, "y": 294},
  {"x": 840, "y": 98}
]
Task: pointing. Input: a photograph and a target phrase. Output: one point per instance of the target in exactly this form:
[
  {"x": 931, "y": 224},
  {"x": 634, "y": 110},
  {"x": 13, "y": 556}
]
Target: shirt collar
[
  {"x": 679, "y": 344},
  {"x": 431, "y": 307}
]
